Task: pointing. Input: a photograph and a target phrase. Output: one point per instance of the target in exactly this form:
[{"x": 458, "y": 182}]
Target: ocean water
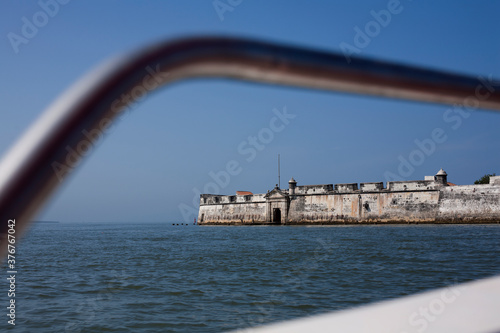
[{"x": 164, "y": 278}]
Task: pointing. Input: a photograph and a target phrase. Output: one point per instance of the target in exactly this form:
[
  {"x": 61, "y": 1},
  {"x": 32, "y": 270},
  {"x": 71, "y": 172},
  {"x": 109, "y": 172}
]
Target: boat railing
[{"x": 54, "y": 145}]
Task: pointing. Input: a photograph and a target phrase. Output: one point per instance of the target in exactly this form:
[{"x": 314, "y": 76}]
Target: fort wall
[
  {"x": 401, "y": 207},
  {"x": 423, "y": 201},
  {"x": 470, "y": 203},
  {"x": 232, "y": 209}
]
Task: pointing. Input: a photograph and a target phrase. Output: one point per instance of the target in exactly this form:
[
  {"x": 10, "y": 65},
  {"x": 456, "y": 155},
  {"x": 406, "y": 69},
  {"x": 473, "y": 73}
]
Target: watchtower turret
[
  {"x": 292, "y": 184},
  {"x": 442, "y": 177}
]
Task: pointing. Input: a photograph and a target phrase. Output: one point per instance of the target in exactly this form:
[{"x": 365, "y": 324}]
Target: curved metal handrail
[{"x": 41, "y": 159}]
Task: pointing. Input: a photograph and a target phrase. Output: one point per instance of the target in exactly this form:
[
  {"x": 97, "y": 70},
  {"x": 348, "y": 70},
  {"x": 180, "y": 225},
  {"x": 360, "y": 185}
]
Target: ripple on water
[{"x": 112, "y": 278}]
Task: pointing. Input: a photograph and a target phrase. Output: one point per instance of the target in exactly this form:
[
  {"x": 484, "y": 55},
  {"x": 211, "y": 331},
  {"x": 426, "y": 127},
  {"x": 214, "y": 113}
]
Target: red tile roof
[{"x": 244, "y": 193}]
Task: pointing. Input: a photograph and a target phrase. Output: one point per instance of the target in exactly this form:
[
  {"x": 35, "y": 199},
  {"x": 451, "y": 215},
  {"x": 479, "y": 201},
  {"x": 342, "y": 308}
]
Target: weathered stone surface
[
  {"x": 423, "y": 201},
  {"x": 469, "y": 203},
  {"x": 314, "y": 189},
  {"x": 371, "y": 187}
]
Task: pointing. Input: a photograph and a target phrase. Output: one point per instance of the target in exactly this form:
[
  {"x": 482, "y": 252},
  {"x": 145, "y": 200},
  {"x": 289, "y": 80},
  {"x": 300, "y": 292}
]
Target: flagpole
[{"x": 279, "y": 178}]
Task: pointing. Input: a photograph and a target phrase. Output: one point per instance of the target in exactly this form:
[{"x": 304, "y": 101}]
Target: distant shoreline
[{"x": 336, "y": 223}]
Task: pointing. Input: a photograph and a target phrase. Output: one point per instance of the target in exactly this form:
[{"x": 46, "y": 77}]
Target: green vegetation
[{"x": 484, "y": 179}]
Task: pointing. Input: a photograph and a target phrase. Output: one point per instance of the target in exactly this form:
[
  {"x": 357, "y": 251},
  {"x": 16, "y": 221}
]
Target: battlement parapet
[
  {"x": 216, "y": 199},
  {"x": 413, "y": 185},
  {"x": 371, "y": 187},
  {"x": 346, "y": 188},
  {"x": 314, "y": 189},
  {"x": 494, "y": 180}
]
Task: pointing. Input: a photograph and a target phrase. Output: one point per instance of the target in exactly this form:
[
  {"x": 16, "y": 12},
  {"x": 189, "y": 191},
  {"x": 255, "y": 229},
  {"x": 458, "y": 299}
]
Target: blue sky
[{"x": 154, "y": 161}]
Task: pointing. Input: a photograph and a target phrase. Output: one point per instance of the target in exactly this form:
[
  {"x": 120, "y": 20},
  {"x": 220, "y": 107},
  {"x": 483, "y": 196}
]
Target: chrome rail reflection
[{"x": 29, "y": 171}]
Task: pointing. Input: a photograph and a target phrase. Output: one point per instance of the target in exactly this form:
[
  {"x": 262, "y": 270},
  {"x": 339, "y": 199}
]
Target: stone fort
[{"x": 432, "y": 200}]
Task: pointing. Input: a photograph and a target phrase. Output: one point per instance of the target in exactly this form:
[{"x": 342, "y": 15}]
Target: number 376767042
[{"x": 11, "y": 248}]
